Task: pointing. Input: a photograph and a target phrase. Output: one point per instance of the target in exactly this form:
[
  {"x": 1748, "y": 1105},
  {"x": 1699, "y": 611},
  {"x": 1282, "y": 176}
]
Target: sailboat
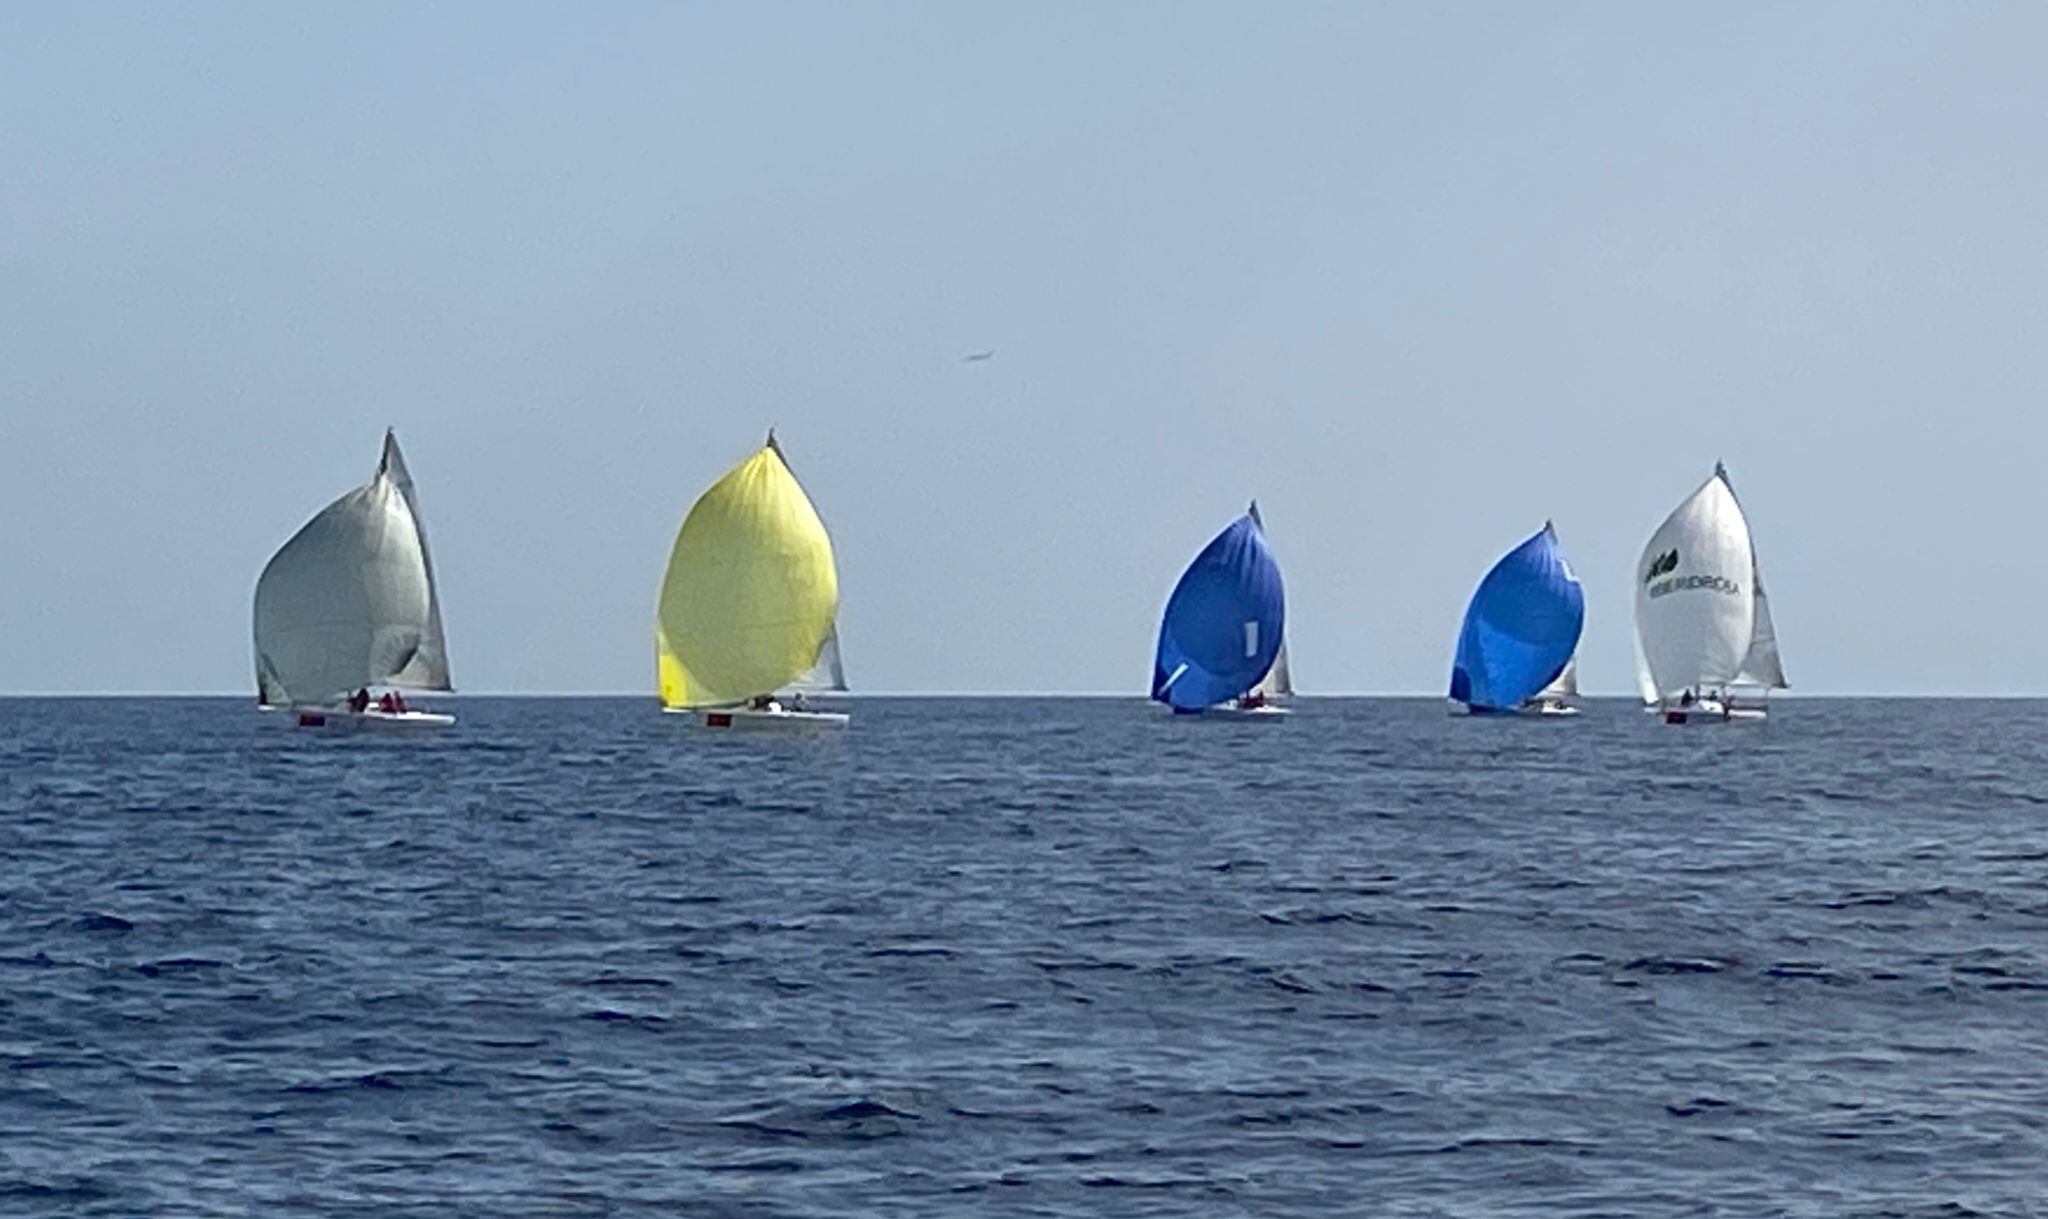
[
  {"x": 348, "y": 605},
  {"x": 748, "y": 618},
  {"x": 1222, "y": 647},
  {"x": 1708, "y": 648},
  {"x": 1517, "y": 647}
]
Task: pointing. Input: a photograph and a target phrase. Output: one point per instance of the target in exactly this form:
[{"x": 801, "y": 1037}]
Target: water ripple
[{"x": 1023, "y": 957}]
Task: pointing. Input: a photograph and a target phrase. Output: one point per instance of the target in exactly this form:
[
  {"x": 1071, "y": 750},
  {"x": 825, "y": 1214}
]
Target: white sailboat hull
[
  {"x": 1708, "y": 711},
  {"x": 778, "y": 719},
  {"x": 1264, "y": 711},
  {"x": 1537, "y": 710},
  {"x": 373, "y": 720}
]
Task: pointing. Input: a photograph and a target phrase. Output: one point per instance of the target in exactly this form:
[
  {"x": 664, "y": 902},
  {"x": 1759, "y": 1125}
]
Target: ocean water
[{"x": 1017, "y": 957}]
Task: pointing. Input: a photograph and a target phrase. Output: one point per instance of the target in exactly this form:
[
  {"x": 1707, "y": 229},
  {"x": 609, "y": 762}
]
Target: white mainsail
[
  {"x": 349, "y": 602},
  {"x": 429, "y": 667},
  {"x": 1646, "y": 686},
  {"x": 828, "y": 676},
  {"x": 1762, "y": 666},
  {"x": 1278, "y": 683},
  {"x": 1566, "y": 684},
  {"x": 1702, "y": 620}
]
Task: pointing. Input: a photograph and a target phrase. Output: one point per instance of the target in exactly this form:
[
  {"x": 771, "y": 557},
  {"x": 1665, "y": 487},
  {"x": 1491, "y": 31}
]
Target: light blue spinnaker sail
[
  {"x": 1521, "y": 629},
  {"x": 1223, "y": 623}
]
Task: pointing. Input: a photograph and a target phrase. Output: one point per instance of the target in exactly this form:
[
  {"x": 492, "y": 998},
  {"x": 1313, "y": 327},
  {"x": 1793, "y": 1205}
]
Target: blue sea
[{"x": 1025, "y": 957}]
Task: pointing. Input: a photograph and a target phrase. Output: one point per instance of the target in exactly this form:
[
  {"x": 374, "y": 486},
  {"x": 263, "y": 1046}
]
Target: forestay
[{"x": 350, "y": 601}]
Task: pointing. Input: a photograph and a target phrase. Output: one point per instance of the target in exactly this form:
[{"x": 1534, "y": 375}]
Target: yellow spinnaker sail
[{"x": 751, "y": 591}]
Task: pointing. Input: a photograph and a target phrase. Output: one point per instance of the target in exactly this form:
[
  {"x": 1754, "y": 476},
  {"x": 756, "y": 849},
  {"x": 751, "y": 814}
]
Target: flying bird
[{"x": 976, "y": 357}]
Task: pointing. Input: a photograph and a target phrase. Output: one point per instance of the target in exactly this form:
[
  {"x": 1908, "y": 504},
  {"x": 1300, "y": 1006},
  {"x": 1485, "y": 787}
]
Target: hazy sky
[{"x": 1417, "y": 276}]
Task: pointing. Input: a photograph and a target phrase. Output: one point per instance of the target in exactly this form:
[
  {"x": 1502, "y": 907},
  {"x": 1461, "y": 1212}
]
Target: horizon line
[{"x": 988, "y": 694}]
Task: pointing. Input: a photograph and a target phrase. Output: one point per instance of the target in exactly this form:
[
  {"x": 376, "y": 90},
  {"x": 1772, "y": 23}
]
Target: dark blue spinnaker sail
[
  {"x": 1521, "y": 629},
  {"x": 1223, "y": 623}
]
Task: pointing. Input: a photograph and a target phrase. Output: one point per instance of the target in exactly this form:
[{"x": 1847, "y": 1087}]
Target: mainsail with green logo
[
  {"x": 750, "y": 602},
  {"x": 1703, "y": 623}
]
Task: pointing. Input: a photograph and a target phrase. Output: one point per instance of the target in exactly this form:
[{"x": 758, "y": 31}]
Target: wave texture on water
[{"x": 1035, "y": 957}]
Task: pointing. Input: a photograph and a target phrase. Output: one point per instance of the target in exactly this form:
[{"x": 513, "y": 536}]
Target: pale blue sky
[{"x": 1417, "y": 276}]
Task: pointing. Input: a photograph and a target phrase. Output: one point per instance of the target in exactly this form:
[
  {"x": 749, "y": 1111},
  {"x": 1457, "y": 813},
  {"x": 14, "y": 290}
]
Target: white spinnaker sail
[
  {"x": 1695, "y": 595},
  {"x": 349, "y": 601},
  {"x": 1278, "y": 682},
  {"x": 1566, "y": 684}
]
